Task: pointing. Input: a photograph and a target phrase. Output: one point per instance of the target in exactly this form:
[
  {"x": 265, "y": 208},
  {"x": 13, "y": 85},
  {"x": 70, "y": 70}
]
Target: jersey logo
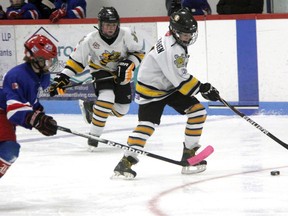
[
  {"x": 180, "y": 61},
  {"x": 15, "y": 85},
  {"x": 159, "y": 46},
  {"x": 107, "y": 57},
  {"x": 96, "y": 45},
  {"x": 48, "y": 47}
]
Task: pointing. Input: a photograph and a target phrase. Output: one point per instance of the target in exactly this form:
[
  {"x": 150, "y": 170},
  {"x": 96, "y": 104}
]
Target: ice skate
[
  {"x": 86, "y": 108},
  {"x": 197, "y": 168},
  {"x": 92, "y": 144},
  {"x": 123, "y": 168}
]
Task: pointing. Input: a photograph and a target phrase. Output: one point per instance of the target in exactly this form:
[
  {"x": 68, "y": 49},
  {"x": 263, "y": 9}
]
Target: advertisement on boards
[
  {"x": 66, "y": 37},
  {"x": 7, "y": 50}
]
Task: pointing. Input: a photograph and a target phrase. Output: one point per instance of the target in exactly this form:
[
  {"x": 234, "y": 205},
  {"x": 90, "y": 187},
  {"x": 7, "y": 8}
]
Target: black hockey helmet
[
  {"x": 108, "y": 15},
  {"x": 182, "y": 21}
]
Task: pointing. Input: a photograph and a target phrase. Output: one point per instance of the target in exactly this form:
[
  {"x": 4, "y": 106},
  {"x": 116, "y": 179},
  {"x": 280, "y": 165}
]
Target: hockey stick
[
  {"x": 263, "y": 130},
  {"x": 191, "y": 161},
  {"x": 88, "y": 82}
]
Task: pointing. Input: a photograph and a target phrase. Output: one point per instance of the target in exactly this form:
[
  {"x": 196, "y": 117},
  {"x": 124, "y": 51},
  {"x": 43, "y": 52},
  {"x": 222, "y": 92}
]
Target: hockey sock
[
  {"x": 196, "y": 118},
  {"x": 4, "y": 166}
]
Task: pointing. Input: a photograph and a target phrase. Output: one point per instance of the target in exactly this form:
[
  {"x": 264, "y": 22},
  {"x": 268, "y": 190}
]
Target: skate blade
[
  {"x": 92, "y": 149},
  {"x": 188, "y": 170},
  {"x": 124, "y": 176}
]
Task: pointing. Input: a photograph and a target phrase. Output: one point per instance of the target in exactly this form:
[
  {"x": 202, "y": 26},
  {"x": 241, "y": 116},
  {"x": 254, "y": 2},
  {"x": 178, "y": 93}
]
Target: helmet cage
[{"x": 177, "y": 35}]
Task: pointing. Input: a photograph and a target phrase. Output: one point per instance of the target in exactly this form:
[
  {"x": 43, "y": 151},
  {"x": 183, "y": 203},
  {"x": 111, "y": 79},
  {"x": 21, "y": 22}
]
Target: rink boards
[{"x": 244, "y": 56}]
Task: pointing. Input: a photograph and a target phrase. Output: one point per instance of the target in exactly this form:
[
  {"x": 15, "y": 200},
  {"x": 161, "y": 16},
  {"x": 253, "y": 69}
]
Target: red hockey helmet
[
  {"x": 41, "y": 51},
  {"x": 40, "y": 46}
]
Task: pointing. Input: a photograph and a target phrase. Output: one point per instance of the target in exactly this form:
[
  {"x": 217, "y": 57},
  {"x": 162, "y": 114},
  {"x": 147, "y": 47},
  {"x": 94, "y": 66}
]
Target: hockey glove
[
  {"x": 57, "y": 15},
  {"x": 43, "y": 123},
  {"x": 125, "y": 71},
  {"x": 59, "y": 81},
  {"x": 14, "y": 15},
  {"x": 209, "y": 92}
]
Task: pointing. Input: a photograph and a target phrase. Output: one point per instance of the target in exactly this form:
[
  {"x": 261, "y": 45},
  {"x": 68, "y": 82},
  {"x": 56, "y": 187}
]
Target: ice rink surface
[{"x": 57, "y": 176}]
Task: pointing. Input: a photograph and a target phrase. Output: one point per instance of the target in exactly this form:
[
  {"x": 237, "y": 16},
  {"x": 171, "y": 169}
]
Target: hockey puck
[{"x": 275, "y": 173}]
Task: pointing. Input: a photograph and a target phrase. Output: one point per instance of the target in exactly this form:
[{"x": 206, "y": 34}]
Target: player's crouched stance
[
  {"x": 163, "y": 80},
  {"x": 109, "y": 51},
  {"x": 19, "y": 102}
]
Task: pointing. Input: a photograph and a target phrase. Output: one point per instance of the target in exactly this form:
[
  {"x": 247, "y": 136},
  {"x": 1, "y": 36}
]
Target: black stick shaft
[
  {"x": 263, "y": 130},
  {"x": 121, "y": 146}
]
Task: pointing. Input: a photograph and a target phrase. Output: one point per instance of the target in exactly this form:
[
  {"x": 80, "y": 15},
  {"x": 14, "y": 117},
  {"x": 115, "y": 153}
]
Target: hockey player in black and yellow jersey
[
  {"x": 163, "y": 80},
  {"x": 110, "y": 50}
]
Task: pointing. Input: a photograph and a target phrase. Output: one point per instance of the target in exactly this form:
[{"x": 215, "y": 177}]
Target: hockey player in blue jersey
[
  {"x": 19, "y": 9},
  {"x": 19, "y": 102},
  {"x": 68, "y": 9}
]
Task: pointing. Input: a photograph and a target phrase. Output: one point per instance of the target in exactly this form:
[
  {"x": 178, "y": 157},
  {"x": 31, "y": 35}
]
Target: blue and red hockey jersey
[
  {"x": 27, "y": 11},
  {"x": 198, "y": 7},
  {"x": 20, "y": 93},
  {"x": 75, "y": 9}
]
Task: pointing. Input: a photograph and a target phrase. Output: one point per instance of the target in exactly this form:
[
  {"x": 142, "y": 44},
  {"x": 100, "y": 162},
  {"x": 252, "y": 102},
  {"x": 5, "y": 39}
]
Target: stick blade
[{"x": 201, "y": 156}]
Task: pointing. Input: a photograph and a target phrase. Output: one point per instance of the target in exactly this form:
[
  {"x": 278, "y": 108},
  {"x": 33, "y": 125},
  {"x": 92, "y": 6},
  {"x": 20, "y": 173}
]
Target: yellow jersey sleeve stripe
[
  {"x": 94, "y": 66},
  {"x": 74, "y": 66},
  {"x": 189, "y": 87},
  {"x": 146, "y": 91}
]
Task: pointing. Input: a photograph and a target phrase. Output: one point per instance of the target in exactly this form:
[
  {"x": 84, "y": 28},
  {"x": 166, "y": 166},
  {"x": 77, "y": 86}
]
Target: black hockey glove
[
  {"x": 43, "y": 123},
  {"x": 209, "y": 92},
  {"x": 125, "y": 71},
  {"x": 59, "y": 81}
]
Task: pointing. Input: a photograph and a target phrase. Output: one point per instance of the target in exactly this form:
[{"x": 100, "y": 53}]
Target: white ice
[{"x": 57, "y": 176}]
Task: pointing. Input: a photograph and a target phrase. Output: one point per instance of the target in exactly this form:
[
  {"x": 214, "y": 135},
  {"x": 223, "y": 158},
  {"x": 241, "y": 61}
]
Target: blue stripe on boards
[
  {"x": 72, "y": 107},
  {"x": 247, "y": 62}
]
